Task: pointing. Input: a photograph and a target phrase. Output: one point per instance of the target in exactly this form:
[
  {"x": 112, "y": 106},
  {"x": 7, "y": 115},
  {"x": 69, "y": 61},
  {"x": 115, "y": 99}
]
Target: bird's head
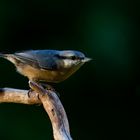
[{"x": 72, "y": 58}]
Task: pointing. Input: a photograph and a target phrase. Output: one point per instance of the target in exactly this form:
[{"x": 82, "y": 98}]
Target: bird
[{"x": 49, "y": 66}]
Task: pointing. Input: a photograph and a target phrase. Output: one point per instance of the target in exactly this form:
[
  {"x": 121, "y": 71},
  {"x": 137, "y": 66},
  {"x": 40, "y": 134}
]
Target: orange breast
[{"x": 45, "y": 75}]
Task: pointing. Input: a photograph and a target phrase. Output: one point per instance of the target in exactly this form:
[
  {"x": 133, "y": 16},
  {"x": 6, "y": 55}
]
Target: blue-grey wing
[
  {"x": 39, "y": 59},
  {"x": 49, "y": 63}
]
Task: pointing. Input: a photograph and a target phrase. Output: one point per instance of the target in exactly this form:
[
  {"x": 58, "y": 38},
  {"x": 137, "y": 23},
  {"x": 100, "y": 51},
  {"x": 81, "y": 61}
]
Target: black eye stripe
[
  {"x": 69, "y": 57},
  {"x": 73, "y": 57},
  {"x": 62, "y": 57},
  {"x": 81, "y": 58}
]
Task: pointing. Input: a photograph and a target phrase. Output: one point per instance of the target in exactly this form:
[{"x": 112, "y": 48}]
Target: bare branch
[
  {"x": 50, "y": 101},
  {"x": 55, "y": 110},
  {"x": 10, "y": 95}
]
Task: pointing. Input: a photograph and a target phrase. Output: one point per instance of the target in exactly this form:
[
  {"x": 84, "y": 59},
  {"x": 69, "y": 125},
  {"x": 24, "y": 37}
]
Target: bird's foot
[
  {"x": 30, "y": 93},
  {"x": 45, "y": 86}
]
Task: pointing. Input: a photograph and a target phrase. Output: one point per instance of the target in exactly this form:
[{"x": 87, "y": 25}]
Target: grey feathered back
[{"x": 44, "y": 59}]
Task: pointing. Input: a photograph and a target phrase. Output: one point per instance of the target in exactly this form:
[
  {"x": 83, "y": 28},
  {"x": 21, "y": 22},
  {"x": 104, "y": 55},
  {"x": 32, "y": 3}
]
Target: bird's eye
[
  {"x": 73, "y": 57},
  {"x": 66, "y": 57},
  {"x": 81, "y": 58}
]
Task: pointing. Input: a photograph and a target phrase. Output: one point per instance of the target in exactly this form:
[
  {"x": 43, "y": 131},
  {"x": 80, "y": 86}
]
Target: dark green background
[{"x": 102, "y": 99}]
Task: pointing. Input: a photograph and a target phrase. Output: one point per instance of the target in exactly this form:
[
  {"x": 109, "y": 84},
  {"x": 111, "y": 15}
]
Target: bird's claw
[{"x": 29, "y": 92}]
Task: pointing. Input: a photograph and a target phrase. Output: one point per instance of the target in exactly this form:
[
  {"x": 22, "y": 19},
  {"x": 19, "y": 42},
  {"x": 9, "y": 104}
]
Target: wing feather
[{"x": 38, "y": 59}]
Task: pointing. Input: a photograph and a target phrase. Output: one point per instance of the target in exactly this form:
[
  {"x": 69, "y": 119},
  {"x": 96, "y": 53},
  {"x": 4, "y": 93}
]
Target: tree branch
[
  {"x": 10, "y": 95},
  {"x": 51, "y": 104}
]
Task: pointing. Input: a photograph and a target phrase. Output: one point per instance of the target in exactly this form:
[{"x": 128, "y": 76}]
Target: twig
[
  {"x": 10, "y": 95},
  {"x": 51, "y": 104},
  {"x": 55, "y": 110}
]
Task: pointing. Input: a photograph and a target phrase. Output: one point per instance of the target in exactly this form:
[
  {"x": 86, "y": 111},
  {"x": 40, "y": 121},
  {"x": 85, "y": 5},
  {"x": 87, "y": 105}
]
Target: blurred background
[{"x": 102, "y": 99}]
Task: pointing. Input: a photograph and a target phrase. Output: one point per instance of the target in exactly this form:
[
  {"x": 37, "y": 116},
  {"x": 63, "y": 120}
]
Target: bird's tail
[
  {"x": 9, "y": 57},
  {"x": 2, "y": 55}
]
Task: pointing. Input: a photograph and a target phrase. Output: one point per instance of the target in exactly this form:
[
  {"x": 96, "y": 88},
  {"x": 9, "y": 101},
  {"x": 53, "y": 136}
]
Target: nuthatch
[{"x": 50, "y": 66}]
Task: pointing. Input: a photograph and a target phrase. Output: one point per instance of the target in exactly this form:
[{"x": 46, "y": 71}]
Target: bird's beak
[{"x": 86, "y": 59}]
